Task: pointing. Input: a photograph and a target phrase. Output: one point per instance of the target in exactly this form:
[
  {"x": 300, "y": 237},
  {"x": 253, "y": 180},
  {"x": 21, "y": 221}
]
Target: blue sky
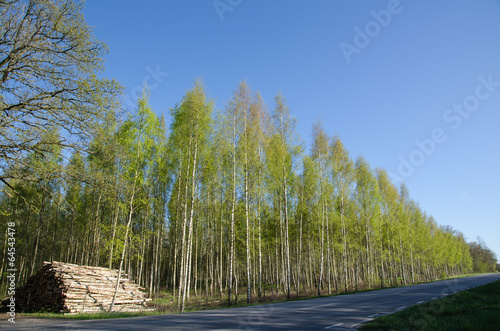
[{"x": 413, "y": 86}]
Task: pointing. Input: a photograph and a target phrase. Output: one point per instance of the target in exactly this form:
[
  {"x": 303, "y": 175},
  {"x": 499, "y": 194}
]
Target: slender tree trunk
[
  {"x": 368, "y": 248},
  {"x": 285, "y": 196},
  {"x": 403, "y": 274},
  {"x": 116, "y": 212},
  {"x": 260, "y": 239},
  {"x": 131, "y": 203},
  {"x": 187, "y": 282},
  {"x": 299, "y": 252},
  {"x": 381, "y": 255},
  {"x": 233, "y": 204},
  {"x": 344, "y": 241},
  {"x": 411, "y": 258},
  {"x": 183, "y": 252},
  {"x": 37, "y": 241},
  {"x": 328, "y": 262},
  {"x": 321, "y": 247},
  {"x": 246, "y": 212}
]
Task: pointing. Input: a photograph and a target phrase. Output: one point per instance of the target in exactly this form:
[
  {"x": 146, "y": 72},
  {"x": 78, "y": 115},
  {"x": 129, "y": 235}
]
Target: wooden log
[{"x": 64, "y": 287}]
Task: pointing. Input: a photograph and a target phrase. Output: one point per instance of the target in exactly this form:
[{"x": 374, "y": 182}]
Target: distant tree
[{"x": 483, "y": 259}]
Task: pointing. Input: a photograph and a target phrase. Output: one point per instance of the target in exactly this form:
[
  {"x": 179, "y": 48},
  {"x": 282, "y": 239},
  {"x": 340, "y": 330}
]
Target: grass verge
[
  {"x": 475, "y": 309},
  {"x": 93, "y": 316}
]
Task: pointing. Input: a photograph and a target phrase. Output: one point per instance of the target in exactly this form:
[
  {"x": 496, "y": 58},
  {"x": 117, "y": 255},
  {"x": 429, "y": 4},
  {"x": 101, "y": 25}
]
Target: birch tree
[
  {"x": 368, "y": 200},
  {"x": 190, "y": 130},
  {"x": 320, "y": 155},
  {"x": 137, "y": 138},
  {"x": 282, "y": 152},
  {"x": 342, "y": 176}
]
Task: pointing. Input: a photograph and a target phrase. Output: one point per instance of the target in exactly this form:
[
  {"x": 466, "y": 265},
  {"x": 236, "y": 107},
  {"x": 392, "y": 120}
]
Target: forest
[{"x": 225, "y": 203}]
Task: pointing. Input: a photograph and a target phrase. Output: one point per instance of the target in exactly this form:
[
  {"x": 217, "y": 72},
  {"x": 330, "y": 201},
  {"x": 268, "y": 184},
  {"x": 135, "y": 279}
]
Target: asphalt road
[{"x": 328, "y": 313}]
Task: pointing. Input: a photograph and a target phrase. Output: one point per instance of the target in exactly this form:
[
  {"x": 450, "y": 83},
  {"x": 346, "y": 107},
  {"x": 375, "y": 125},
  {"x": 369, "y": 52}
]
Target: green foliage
[
  {"x": 475, "y": 309},
  {"x": 50, "y": 59},
  {"x": 483, "y": 259}
]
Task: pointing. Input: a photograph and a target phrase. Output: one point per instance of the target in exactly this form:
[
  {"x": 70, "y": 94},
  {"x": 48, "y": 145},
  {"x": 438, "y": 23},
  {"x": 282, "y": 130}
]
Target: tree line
[
  {"x": 483, "y": 258},
  {"x": 224, "y": 200},
  {"x": 219, "y": 203}
]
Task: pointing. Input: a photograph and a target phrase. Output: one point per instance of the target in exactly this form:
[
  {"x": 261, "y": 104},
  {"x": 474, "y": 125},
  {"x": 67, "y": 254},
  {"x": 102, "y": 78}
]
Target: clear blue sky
[{"x": 413, "y": 74}]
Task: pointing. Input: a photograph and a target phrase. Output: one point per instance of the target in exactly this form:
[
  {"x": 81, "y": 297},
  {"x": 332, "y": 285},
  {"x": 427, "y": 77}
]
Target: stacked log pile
[{"x": 71, "y": 288}]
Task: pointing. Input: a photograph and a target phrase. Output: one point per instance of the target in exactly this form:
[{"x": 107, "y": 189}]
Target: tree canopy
[{"x": 49, "y": 62}]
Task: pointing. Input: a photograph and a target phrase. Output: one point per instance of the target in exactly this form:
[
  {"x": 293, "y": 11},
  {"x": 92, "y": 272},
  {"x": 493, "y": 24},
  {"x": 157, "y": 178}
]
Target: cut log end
[{"x": 70, "y": 289}]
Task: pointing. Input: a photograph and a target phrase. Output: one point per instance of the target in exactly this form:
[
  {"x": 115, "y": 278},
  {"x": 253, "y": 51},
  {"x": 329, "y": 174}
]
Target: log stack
[{"x": 71, "y": 288}]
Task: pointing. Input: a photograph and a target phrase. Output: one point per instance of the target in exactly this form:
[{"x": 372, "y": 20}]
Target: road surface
[{"x": 329, "y": 313}]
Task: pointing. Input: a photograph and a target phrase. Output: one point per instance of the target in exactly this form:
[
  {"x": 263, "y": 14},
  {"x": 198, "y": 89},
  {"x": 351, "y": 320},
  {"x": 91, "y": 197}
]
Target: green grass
[
  {"x": 475, "y": 309},
  {"x": 93, "y": 316}
]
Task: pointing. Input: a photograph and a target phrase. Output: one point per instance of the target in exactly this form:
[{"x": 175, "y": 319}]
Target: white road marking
[
  {"x": 357, "y": 324},
  {"x": 325, "y": 305},
  {"x": 332, "y": 326}
]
